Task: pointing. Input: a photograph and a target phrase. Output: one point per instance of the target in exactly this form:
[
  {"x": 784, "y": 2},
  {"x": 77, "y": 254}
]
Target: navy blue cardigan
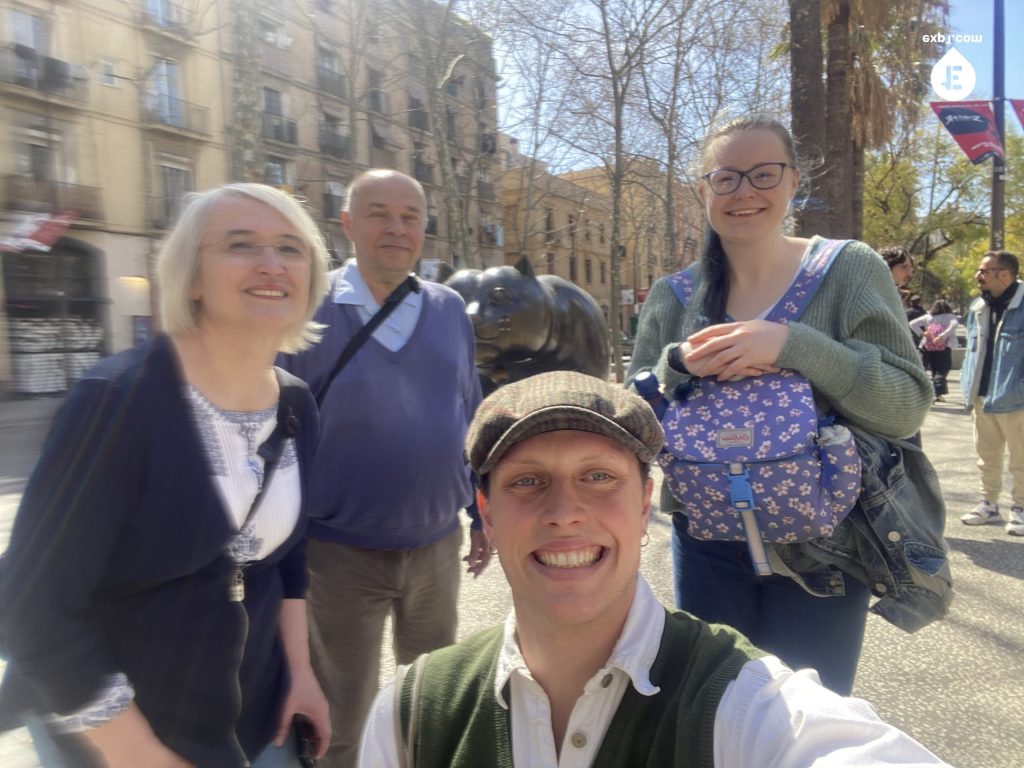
[{"x": 117, "y": 563}]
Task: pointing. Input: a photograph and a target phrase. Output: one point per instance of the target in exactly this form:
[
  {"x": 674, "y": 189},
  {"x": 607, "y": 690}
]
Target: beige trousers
[
  {"x": 994, "y": 434},
  {"x": 351, "y": 593}
]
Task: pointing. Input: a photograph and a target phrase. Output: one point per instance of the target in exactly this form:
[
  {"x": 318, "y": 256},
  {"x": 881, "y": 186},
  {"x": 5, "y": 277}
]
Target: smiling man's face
[
  {"x": 387, "y": 226},
  {"x": 566, "y": 511}
]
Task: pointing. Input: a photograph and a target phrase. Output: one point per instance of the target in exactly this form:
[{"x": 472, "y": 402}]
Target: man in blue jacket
[
  {"x": 390, "y": 475},
  {"x": 992, "y": 379}
]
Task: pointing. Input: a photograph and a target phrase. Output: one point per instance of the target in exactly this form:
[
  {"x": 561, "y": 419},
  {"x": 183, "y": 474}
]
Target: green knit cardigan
[{"x": 852, "y": 342}]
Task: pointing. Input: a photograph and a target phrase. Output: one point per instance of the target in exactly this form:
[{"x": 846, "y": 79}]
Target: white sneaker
[
  {"x": 985, "y": 512},
  {"x": 1016, "y": 525}
]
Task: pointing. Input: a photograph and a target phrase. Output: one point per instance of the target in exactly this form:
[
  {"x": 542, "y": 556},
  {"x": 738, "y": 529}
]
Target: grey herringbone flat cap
[{"x": 559, "y": 400}]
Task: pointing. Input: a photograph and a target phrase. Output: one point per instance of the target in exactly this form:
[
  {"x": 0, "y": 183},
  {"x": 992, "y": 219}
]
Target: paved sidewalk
[{"x": 957, "y": 685}]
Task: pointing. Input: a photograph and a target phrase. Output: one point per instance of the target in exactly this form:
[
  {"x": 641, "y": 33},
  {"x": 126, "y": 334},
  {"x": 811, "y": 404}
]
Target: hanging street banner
[
  {"x": 1018, "y": 107},
  {"x": 973, "y": 126},
  {"x": 37, "y": 232}
]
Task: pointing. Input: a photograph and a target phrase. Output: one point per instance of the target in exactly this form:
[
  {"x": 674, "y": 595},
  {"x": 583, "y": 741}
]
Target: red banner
[
  {"x": 38, "y": 232},
  {"x": 1018, "y": 107},
  {"x": 973, "y": 126}
]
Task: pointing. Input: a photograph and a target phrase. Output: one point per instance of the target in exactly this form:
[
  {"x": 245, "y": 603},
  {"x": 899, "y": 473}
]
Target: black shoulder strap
[
  {"x": 407, "y": 286},
  {"x": 291, "y": 405}
]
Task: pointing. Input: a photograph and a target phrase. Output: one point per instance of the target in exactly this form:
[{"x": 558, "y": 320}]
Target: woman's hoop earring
[
  {"x": 645, "y": 539},
  {"x": 491, "y": 548}
]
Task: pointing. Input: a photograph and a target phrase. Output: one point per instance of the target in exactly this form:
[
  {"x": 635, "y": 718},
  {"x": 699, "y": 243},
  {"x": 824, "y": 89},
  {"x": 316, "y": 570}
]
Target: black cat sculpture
[{"x": 527, "y": 324}]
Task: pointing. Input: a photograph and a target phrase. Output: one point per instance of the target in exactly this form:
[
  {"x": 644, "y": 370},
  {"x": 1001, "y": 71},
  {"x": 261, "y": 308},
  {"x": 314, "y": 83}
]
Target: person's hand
[
  {"x": 732, "y": 351},
  {"x": 479, "y": 552},
  {"x": 306, "y": 698}
]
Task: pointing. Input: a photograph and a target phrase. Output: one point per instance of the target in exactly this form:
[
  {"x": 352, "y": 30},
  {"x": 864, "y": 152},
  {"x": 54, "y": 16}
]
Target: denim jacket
[
  {"x": 891, "y": 541},
  {"x": 1006, "y": 382}
]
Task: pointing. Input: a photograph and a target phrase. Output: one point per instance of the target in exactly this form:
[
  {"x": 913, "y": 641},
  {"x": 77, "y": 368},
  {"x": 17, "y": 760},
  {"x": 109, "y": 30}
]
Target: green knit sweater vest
[{"x": 461, "y": 724}]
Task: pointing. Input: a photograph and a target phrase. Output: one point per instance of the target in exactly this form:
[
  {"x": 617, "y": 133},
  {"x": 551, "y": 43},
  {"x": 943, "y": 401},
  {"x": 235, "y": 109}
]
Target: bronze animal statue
[{"x": 527, "y": 324}]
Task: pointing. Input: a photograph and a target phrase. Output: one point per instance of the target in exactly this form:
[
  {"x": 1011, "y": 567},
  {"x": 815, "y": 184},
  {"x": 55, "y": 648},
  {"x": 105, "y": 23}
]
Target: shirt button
[
  {"x": 579, "y": 740},
  {"x": 606, "y": 680},
  {"x": 894, "y": 536},
  {"x": 880, "y": 588}
]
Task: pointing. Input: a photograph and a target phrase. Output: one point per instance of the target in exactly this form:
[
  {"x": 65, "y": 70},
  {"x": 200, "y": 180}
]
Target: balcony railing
[
  {"x": 27, "y": 68},
  {"x": 167, "y": 111},
  {"x": 281, "y": 129},
  {"x": 28, "y": 194},
  {"x": 168, "y": 15},
  {"x": 330, "y": 81},
  {"x": 423, "y": 172},
  {"x": 334, "y": 143}
]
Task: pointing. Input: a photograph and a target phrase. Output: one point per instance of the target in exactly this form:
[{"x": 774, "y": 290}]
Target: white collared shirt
[
  {"x": 397, "y": 329},
  {"x": 769, "y": 716}
]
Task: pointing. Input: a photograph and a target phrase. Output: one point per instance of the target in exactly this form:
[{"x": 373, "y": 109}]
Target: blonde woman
[{"x": 153, "y": 591}]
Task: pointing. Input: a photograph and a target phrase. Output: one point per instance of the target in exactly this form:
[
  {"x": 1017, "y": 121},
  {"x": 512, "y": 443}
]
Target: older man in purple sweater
[{"x": 390, "y": 475}]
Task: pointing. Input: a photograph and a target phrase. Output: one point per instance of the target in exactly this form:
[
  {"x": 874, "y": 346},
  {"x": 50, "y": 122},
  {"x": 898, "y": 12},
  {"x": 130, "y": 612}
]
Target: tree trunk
[
  {"x": 807, "y": 99},
  {"x": 838, "y": 129},
  {"x": 857, "y": 191}
]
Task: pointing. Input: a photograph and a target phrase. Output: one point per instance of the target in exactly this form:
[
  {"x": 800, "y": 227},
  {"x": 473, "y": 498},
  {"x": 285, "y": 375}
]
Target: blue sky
[{"x": 974, "y": 17}]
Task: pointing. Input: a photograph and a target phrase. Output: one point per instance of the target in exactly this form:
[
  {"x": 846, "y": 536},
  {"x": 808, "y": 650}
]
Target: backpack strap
[{"x": 798, "y": 295}]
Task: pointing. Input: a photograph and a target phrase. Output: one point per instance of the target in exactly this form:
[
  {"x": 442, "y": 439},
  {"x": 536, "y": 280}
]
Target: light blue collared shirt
[{"x": 396, "y": 330}]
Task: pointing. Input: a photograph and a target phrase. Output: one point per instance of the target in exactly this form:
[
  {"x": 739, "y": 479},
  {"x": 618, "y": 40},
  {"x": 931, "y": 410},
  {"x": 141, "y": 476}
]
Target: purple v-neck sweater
[{"x": 389, "y": 471}]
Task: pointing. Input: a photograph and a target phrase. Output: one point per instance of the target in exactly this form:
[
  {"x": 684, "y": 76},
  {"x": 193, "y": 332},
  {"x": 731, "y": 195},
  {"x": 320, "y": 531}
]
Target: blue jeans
[
  {"x": 285, "y": 756},
  {"x": 56, "y": 751},
  {"x": 715, "y": 581}
]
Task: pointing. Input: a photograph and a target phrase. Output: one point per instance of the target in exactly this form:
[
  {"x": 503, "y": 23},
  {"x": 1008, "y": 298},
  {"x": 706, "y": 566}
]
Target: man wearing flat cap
[{"x": 589, "y": 669}]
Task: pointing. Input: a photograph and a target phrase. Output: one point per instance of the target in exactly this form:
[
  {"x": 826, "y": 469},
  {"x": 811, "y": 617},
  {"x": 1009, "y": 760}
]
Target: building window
[
  {"x": 176, "y": 181},
  {"x": 165, "y": 91},
  {"x": 273, "y": 104},
  {"x": 588, "y": 270},
  {"x": 108, "y": 73},
  {"x": 375, "y": 91},
  {"x": 600, "y": 232},
  {"x": 604, "y": 273},
  {"x": 549, "y": 223},
  {"x": 573, "y": 272},
  {"x": 334, "y": 196},
  {"x": 551, "y": 262},
  {"x": 275, "y": 172}
]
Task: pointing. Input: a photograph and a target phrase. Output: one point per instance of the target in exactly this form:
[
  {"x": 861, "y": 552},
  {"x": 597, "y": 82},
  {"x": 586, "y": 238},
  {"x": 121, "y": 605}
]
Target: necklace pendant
[{"x": 236, "y": 587}]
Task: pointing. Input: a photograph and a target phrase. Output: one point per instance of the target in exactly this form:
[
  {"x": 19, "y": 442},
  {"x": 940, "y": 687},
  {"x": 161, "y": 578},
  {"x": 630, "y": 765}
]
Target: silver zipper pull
[{"x": 236, "y": 587}]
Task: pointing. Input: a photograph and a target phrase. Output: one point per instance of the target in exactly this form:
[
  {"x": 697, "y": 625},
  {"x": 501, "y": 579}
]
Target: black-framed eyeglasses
[
  {"x": 725, "y": 181},
  {"x": 989, "y": 271}
]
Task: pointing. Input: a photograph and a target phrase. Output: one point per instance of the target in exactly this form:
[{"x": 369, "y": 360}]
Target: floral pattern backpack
[{"x": 754, "y": 460}]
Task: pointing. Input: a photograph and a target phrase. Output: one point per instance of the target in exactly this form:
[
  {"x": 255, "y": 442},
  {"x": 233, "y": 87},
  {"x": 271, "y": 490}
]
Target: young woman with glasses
[{"x": 852, "y": 342}]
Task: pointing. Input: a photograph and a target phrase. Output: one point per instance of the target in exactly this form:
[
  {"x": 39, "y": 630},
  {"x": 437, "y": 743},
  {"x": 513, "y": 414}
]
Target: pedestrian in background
[
  {"x": 390, "y": 475},
  {"x": 152, "y": 594},
  {"x": 589, "y": 668},
  {"x": 851, "y": 342},
  {"x": 990, "y": 378},
  {"x": 901, "y": 267},
  {"x": 936, "y": 330}
]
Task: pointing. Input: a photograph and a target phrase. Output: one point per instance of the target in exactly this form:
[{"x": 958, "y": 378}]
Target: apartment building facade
[
  {"x": 111, "y": 111},
  {"x": 563, "y": 228}
]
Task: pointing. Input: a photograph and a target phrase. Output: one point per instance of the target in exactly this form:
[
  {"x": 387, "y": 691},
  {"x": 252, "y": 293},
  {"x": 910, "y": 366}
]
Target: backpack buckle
[{"x": 741, "y": 495}]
